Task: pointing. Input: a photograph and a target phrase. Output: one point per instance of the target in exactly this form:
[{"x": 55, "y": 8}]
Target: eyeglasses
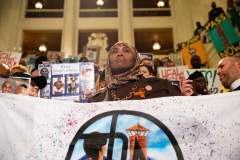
[{"x": 201, "y": 81}]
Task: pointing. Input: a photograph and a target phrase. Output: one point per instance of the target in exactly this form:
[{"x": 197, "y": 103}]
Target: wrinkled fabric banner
[{"x": 203, "y": 127}]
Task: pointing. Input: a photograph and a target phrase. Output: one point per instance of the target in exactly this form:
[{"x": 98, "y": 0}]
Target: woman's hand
[{"x": 187, "y": 89}]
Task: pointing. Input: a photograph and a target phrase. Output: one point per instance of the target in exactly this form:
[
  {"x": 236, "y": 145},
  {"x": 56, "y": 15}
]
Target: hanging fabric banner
[
  {"x": 170, "y": 128},
  {"x": 223, "y": 36},
  {"x": 192, "y": 47}
]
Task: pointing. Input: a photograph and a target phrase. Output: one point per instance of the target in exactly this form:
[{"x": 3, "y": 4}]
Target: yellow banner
[{"x": 192, "y": 49}]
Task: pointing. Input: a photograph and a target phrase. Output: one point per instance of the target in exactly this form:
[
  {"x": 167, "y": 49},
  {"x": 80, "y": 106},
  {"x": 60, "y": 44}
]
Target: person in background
[
  {"x": 96, "y": 72},
  {"x": 198, "y": 31},
  {"x": 18, "y": 68},
  {"x": 145, "y": 61},
  {"x": 34, "y": 72},
  {"x": 179, "y": 47},
  {"x": 171, "y": 64},
  {"x": 6, "y": 87},
  {"x": 165, "y": 61},
  {"x": 124, "y": 81},
  {"x": 233, "y": 10},
  {"x": 22, "y": 62},
  {"x": 196, "y": 62},
  {"x": 40, "y": 60},
  {"x": 146, "y": 71},
  {"x": 228, "y": 71},
  {"x": 199, "y": 28},
  {"x": 83, "y": 59},
  {"x": 4, "y": 70},
  {"x": 215, "y": 12},
  {"x": 72, "y": 60},
  {"x": 37, "y": 82},
  {"x": 157, "y": 63},
  {"x": 199, "y": 84},
  {"x": 101, "y": 81}
]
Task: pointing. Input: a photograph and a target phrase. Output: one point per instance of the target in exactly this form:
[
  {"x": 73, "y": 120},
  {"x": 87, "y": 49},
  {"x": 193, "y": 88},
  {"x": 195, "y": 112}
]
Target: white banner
[
  {"x": 10, "y": 58},
  {"x": 171, "y": 128},
  {"x": 172, "y": 73},
  {"x": 210, "y": 75}
]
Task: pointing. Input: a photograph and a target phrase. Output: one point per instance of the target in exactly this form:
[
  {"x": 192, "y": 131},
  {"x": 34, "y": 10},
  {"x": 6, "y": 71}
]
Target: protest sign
[
  {"x": 147, "y": 55},
  {"x": 68, "y": 81},
  {"x": 193, "y": 47},
  {"x": 213, "y": 81},
  {"x": 29, "y": 67},
  {"x": 67, "y": 60},
  {"x": 10, "y": 58},
  {"x": 167, "y": 128},
  {"x": 92, "y": 53},
  {"x": 176, "y": 58},
  {"x": 15, "y": 85},
  {"x": 172, "y": 73},
  {"x": 223, "y": 36},
  {"x": 32, "y": 60},
  {"x": 54, "y": 56}
]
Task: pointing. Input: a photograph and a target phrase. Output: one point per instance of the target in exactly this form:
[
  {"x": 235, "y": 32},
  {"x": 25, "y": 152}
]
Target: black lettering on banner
[
  {"x": 138, "y": 152},
  {"x": 231, "y": 50},
  {"x": 191, "y": 41},
  {"x": 212, "y": 24}
]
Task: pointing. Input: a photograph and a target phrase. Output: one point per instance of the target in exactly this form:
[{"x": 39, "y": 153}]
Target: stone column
[
  {"x": 125, "y": 21},
  {"x": 69, "y": 26}
]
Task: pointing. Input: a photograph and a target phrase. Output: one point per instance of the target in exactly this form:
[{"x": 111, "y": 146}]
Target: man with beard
[{"x": 228, "y": 71}]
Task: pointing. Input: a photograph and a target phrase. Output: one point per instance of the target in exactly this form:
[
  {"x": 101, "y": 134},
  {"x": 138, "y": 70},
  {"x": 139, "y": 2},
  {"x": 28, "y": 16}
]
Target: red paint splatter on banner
[{"x": 7, "y": 59}]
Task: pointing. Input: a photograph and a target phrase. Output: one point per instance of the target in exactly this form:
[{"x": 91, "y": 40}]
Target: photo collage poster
[
  {"x": 147, "y": 55},
  {"x": 15, "y": 85},
  {"x": 68, "y": 81},
  {"x": 45, "y": 71}
]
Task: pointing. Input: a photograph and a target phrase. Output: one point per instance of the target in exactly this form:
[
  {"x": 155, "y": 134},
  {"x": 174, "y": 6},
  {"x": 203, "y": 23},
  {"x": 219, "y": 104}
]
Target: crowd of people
[{"x": 127, "y": 77}]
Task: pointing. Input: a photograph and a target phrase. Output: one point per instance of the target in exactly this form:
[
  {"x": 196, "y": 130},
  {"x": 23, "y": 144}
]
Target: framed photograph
[
  {"x": 45, "y": 71},
  {"x": 58, "y": 85},
  {"x": 72, "y": 84},
  {"x": 15, "y": 85},
  {"x": 92, "y": 53}
]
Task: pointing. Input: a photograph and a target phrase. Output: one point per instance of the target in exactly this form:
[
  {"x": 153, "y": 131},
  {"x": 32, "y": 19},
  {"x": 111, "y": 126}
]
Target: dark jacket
[{"x": 154, "y": 87}]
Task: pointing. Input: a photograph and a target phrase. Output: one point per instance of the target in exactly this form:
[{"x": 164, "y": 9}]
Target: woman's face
[
  {"x": 200, "y": 84},
  {"x": 144, "y": 71},
  {"x": 121, "y": 59}
]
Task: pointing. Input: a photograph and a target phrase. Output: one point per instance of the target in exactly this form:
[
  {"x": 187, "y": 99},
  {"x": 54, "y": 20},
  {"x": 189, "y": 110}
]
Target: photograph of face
[
  {"x": 58, "y": 85},
  {"x": 45, "y": 72},
  {"x": 6, "y": 87},
  {"x": 45, "y": 92},
  {"x": 14, "y": 85},
  {"x": 87, "y": 72},
  {"x": 73, "y": 84},
  {"x": 87, "y": 90}
]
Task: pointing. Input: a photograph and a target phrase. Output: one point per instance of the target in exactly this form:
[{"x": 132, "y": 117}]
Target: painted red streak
[
  {"x": 223, "y": 36},
  {"x": 6, "y": 59}
]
